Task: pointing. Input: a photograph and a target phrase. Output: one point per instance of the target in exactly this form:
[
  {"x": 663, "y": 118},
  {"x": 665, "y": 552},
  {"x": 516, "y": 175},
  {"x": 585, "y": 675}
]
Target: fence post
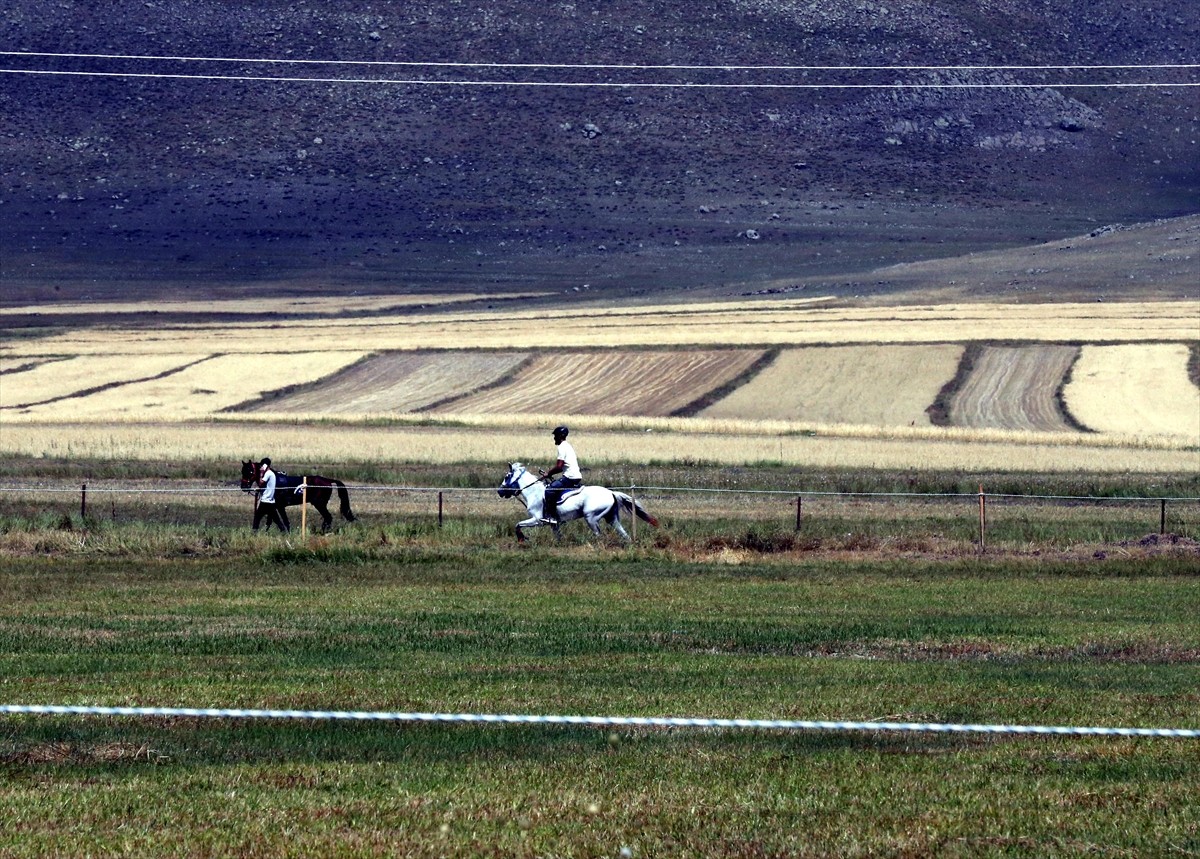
[
  {"x": 799, "y": 510},
  {"x": 633, "y": 516},
  {"x": 439, "y": 508},
  {"x": 304, "y": 504},
  {"x": 982, "y": 520},
  {"x": 1162, "y": 518},
  {"x": 83, "y": 501}
]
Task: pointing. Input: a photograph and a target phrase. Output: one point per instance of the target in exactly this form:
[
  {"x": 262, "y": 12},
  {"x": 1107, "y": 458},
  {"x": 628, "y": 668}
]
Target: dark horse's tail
[{"x": 344, "y": 497}]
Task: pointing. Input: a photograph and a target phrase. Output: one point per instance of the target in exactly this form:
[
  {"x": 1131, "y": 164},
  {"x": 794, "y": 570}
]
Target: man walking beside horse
[
  {"x": 267, "y": 507},
  {"x": 277, "y": 491}
]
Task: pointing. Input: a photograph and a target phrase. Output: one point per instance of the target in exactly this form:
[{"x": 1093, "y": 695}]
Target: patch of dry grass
[
  {"x": 199, "y": 390},
  {"x": 868, "y": 385},
  {"x": 1119, "y": 389},
  {"x": 72, "y": 376},
  {"x": 604, "y": 440}
]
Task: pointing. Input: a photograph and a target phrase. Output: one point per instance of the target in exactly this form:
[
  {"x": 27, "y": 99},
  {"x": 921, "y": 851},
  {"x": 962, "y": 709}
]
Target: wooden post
[
  {"x": 1162, "y": 518},
  {"x": 439, "y": 509},
  {"x": 799, "y": 511},
  {"x": 633, "y": 516},
  {"x": 304, "y": 505},
  {"x": 982, "y": 520},
  {"x": 83, "y": 501}
]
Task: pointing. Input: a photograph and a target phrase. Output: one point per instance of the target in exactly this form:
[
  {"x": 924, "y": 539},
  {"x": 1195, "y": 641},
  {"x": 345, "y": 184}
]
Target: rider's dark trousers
[
  {"x": 273, "y": 513},
  {"x": 555, "y": 492}
]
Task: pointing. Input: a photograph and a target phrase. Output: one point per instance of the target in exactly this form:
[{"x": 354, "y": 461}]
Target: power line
[
  {"x": 605, "y": 84},
  {"x": 611, "y": 66}
]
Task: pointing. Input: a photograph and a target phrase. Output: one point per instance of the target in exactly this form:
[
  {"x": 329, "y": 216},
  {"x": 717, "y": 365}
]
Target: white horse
[{"x": 590, "y": 503}]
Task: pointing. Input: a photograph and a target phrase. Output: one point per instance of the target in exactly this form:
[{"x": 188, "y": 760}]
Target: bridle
[{"x": 513, "y": 486}]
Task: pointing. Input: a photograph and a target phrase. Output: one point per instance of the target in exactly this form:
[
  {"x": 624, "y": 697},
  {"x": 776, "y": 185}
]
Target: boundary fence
[
  {"x": 591, "y": 721},
  {"x": 979, "y": 501}
]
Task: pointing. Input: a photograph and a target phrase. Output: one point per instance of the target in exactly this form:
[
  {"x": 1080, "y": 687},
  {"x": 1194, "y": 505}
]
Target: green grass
[{"x": 464, "y": 623}]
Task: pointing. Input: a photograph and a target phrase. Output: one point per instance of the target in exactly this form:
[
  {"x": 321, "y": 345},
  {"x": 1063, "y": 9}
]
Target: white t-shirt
[
  {"x": 570, "y": 464},
  {"x": 268, "y": 488}
]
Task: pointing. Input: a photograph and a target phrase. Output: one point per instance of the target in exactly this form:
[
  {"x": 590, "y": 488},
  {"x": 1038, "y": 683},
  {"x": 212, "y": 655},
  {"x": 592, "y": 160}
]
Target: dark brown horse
[{"x": 289, "y": 492}]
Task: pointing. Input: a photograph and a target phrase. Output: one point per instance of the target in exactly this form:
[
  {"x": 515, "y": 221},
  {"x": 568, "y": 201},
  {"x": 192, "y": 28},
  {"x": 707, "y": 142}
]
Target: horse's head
[
  {"x": 249, "y": 475},
  {"x": 513, "y": 483}
]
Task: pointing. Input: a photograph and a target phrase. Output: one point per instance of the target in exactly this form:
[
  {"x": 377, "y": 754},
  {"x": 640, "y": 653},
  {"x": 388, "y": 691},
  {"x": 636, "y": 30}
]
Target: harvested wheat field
[
  {"x": 199, "y": 389},
  {"x": 51, "y": 380},
  {"x": 610, "y": 383},
  {"x": 283, "y": 307},
  {"x": 1135, "y": 388},
  {"x": 868, "y": 385},
  {"x": 734, "y": 325},
  {"x": 1014, "y": 388},
  {"x": 397, "y": 382}
]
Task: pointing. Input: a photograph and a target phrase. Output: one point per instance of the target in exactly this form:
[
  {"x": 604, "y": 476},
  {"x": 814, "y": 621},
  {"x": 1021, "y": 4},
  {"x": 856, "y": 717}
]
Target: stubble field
[{"x": 867, "y": 381}]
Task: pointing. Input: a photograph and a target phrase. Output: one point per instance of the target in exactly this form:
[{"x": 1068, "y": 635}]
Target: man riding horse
[{"x": 572, "y": 478}]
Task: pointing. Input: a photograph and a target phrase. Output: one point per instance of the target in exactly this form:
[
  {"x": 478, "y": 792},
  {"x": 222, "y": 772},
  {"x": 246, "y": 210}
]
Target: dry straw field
[{"x": 795, "y": 381}]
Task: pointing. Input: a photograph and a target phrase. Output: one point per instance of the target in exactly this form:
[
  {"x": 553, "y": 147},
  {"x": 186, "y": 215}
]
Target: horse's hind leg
[
  {"x": 326, "y": 518},
  {"x": 620, "y": 529},
  {"x": 613, "y": 517}
]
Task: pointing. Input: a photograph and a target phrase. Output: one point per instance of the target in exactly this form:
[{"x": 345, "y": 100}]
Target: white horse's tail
[{"x": 629, "y": 505}]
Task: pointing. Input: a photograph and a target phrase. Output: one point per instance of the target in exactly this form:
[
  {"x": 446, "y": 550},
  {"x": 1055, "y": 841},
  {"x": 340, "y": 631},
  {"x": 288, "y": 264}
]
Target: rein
[{"x": 521, "y": 490}]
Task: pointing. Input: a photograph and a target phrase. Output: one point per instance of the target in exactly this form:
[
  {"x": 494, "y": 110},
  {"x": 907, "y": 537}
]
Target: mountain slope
[{"x": 168, "y": 185}]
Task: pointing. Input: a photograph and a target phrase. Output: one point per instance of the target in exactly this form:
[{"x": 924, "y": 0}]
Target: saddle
[
  {"x": 567, "y": 493},
  {"x": 283, "y": 481}
]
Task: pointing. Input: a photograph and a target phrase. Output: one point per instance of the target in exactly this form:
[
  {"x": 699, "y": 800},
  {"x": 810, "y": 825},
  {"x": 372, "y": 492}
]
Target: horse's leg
[
  {"x": 531, "y": 522},
  {"x": 344, "y": 498},
  {"x": 326, "y": 516},
  {"x": 613, "y": 517}
]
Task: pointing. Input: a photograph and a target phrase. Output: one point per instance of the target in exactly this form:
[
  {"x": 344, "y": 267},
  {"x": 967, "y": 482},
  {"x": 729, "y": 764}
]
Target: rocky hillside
[{"x": 157, "y": 185}]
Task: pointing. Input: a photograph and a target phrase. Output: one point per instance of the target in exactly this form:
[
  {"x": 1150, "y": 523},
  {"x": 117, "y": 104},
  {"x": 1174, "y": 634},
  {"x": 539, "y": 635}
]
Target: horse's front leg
[{"x": 532, "y": 522}]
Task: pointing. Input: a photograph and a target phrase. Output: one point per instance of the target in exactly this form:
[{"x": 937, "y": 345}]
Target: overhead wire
[
  {"x": 614, "y": 84},
  {"x": 608, "y": 66},
  {"x": 775, "y": 69}
]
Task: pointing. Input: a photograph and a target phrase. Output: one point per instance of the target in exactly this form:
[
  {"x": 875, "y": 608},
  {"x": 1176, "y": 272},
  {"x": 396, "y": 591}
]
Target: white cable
[
  {"x": 592, "y": 721},
  {"x": 600, "y": 66},
  {"x": 601, "y": 84}
]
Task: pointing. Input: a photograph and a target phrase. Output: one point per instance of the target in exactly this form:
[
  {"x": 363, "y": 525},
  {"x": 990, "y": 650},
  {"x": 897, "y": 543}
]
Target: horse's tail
[
  {"x": 344, "y": 497},
  {"x": 628, "y": 504}
]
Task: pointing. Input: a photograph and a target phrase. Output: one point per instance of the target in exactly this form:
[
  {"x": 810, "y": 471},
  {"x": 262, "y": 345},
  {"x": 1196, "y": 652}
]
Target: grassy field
[
  {"x": 451, "y": 622},
  {"x": 876, "y": 610}
]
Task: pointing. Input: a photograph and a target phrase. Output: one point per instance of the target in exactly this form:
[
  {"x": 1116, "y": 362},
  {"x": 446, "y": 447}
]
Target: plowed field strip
[
  {"x": 607, "y": 383},
  {"x": 1013, "y": 388},
  {"x": 1137, "y": 388},
  {"x": 872, "y": 385},
  {"x": 398, "y": 382}
]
